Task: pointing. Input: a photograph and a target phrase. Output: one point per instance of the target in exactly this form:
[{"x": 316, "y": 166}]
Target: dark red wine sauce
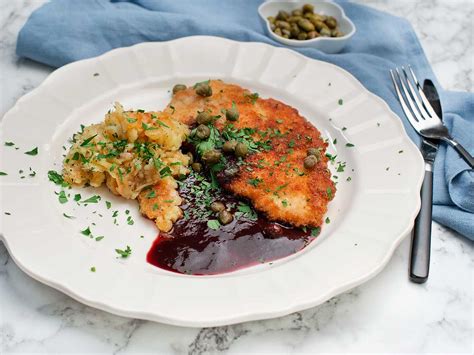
[{"x": 192, "y": 247}]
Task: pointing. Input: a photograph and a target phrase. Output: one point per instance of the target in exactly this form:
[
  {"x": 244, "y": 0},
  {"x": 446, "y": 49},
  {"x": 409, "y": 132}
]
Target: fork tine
[
  {"x": 414, "y": 96},
  {"x": 405, "y": 108},
  {"x": 426, "y": 103},
  {"x": 409, "y": 99}
]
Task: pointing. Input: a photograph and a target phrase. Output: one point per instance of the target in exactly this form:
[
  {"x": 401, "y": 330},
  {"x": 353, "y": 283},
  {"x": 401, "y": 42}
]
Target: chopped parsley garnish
[
  {"x": 246, "y": 211},
  {"x": 99, "y": 238},
  {"x": 124, "y": 253},
  {"x": 329, "y": 192},
  {"x": 334, "y": 141},
  {"x": 340, "y": 102},
  {"x": 9, "y": 144},
  {"x": 291, "y": 143},
  {"x": 57, "y": 178},
  {"x": 284, "y": 203},
  {"x": 213, "y": 224},
  {"x": 328, "y": 220},
  {"x": 131, "y": 120},
  {"x": 348, "y": 178},
  {"x": 151, "y": 194},
  {"x": 32, "y": 152},
  {"x": 147, "y": 127},
  {"x": 86, "y": 232},
  {"x": 93, "y": 269},
  {"x": 349, "y": 145},
  {"x": 67, "y": 216},
  {"x": 344, "y": 128},
  {"x": 86, "y": 142},
  {"x": 252, "y": 97},
  {"x": 77, "y": 197},
  {"x": 62, "y": 197},
  {"x": 114, "y": 214},
  {"x": 130, "y": 221},
  {"x": 93, "y": 199},
  {"x": 315, "y": 231},
  {"x": 400, "y": 151},
  {"x": 2, "y": 173},
  {"x": 279, "y": 121},
  {"x": 254, "y": 182},
  {"x": 108, "y": 204}
]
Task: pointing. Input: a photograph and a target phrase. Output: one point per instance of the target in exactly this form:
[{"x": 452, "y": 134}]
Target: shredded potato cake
[{"x": 131, "y": 151}]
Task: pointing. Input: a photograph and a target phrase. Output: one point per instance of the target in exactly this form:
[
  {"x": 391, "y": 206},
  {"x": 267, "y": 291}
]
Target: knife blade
[{"x": 421, "y": 242}]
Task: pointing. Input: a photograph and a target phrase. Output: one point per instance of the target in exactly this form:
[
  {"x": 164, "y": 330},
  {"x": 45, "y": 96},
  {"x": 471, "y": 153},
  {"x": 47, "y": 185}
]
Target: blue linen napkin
[{"x": 64, "y": 31}]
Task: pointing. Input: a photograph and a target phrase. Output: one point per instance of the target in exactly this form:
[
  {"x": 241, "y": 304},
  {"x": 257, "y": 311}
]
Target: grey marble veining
[{"x": 387, "y": 314}]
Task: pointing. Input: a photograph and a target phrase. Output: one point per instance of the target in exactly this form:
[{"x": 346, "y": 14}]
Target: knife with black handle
[{"x": 421, "y": 242}]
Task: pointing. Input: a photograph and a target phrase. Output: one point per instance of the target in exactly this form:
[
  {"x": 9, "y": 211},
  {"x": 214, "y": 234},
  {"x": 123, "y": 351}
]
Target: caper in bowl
[{"x": 317, "y": 24}]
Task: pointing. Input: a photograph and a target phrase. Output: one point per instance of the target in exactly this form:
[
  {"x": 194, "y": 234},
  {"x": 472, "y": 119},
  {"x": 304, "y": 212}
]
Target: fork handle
[
  {"x": 421, "y": 242},
  {"x": 462, "y": 152}
]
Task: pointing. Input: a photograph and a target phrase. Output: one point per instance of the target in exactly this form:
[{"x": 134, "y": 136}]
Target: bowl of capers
[{"x": 318, "y": 24}]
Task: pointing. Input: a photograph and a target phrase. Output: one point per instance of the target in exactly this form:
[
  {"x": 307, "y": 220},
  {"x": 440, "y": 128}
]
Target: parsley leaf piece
[
  {"x": 99, "y": 238},
  {"x": 93, "y": 199},
  {"x": 93, "y": 269},
  {"x": 86, "y": 232},
  {"x": 32, "y": 152},
  {"x": 57, "y": 178},
  {"x": 328, "y": 220},
  {"x": 77, "y": 197},
  {"x": 88, "y": 140},
  {"x": 124, "y": 253},
  {"x": 340, "y": 101},
  {"x": 315, "y": 231},
  {"x": 2, "y": 173},
  {"x": 213, "y": 224},
  {"x": 108, "y": 204},
  {"x": 67, "y": 216},
  {"x": 254, "y": 182},
  {"x": 9, "y": 144},
  {"x": 62, "y": 197},
  {"x": 349, "y": 145}
]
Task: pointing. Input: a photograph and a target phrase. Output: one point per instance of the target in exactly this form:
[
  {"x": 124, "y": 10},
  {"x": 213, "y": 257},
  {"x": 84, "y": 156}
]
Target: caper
[
  {"x": 217, "y": 206},
  {"x": 294, "y": 19},
  {"x": 204, "y": 117},
  {"x": 306, "y": 25},
  {"x": 302, "y": 36},
  {"x": 271, "y": 19},
  {"x": 297, "y": 12},
  {"x": 310, "y": 162},
  {"x": 295, "y": 30},
  {"x": 178, "y": 87},
  {"x": 315, "y": 17},
  {"x": 229, "y": 146},
  {"x": 197, "y": 167},
  {"x": 331, "y": 22},
  {"x": 273, "y": 27},
  {"x": 313, "y": 34},
  {"x": 241, "y": 150},
  {"x": 336, "y": 33},
  {"x": 211, "y": 156},
  {"x": 325, "y": 32},
  {"x": 203, "y": 132},
  {"x": 191, "y": 158},
  {"x": 232, "y": 114},
  {"x": 283, "y": 25},
  {"x": 314, "y": 151},
  {"x": 225, "y": 217},
  {"x": 308, "y": 8},
  {"x": 319, "y": 25},
  {"x": 286, "y": 33},
  {"x": 278, "y": 32},
  {"x": 282, "y": 15},
  {"x": 203, "y": 89}
]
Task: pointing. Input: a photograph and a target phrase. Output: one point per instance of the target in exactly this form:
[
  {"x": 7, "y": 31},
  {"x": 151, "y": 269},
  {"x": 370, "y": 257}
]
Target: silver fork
[{"x": 420, "y": 114}]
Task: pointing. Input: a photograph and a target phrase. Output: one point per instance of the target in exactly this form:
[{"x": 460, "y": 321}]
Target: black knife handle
[
  {"x": 464, "y": 154},
  {"x": 421, "y": 242}
]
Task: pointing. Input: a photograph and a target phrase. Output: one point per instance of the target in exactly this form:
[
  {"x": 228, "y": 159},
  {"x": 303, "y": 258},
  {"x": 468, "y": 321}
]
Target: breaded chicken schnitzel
[{"x": 273, "y": 177}]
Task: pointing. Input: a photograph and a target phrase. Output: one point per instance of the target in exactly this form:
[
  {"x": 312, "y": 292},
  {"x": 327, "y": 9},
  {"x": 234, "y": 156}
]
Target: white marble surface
[{"x": 387, "y": 314}]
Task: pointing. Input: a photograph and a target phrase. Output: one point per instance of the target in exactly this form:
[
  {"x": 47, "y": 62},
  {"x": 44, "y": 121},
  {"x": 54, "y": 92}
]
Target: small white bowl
[{"x": 325, "y": 44}]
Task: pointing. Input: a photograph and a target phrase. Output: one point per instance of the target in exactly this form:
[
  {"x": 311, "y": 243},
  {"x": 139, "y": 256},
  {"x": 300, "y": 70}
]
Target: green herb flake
[
  {"x": 400, "y": 151},
  {"x": 328, "y": 220},
  {"x": 284, "y": 203},
  {"x": 62, "y": 197},
  {"x": 124, "y": 253},
  {"x": 329, "y": 192},
  {"x": 57, "y": 178},
  {"x": 86, "y": 232},
  {"x": 77, "y": 197},
  {"x": 344, "y": 128},
  {"x": 252, "y": 97},
  {"x": 350, "y": 145},
  {"x": 334, "y": 141},
  {"x": 99, "y": 238},
  {"x": 88, "y": 140},
  {"x": 32, "y": 152},
  {"x": 254, "y": 182},
  {"x": 2, "y": 173},
  {"x": 131, "y": 120},
  {"x": 348, "y": 178},
  {"x": 340, "y": 102},
  {"x": 93, "y": 269},
  {"x": 213, "y": 224},
  {"x": 93, "y": 199},
  {"x": 151, "y": 194},
  {"x": 8, "y": 213},
  {"x": 67, "y": 216},
  {"x": 9, "y": 144},
  {"x": 108, "y": 204},
  {"x": 315, "y": 231}
]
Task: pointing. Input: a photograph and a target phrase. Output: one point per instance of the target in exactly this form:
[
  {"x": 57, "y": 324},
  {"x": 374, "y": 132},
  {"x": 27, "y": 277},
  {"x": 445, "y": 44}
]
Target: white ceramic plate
[{"x": 369, "y": 216}]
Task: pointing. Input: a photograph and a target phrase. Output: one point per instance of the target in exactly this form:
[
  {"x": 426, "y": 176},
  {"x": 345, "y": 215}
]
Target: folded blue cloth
[{"x": 64, "y": 31}]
